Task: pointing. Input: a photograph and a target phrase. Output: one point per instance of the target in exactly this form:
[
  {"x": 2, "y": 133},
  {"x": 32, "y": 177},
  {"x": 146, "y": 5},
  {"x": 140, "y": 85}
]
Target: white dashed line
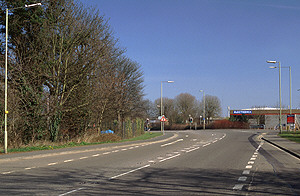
[
  {"x": 242, "y": 179},
  {"x": 246, "y": 172},
  {"x": 66, "y": 161},
  {"x": 129, "y": 172},
  {"x": 9, "y": 172},
  {"x": 248, "y": 166},
  {"x": 53, "y": 163},
  {"x": 71, "y": 192},
  {"x": 238, "y": 187},
  {"x": 250, "y": 162},
  {"x": 106, "y": 153},
  {"x": 96, "y": 155},
  {"x": 192, "y": 149},
  {"x": 83, "y": 157},
  {"x": 169, "y": 158},
  {"x": 28, "y": 168},
  {"x": 167, "y": 144}
]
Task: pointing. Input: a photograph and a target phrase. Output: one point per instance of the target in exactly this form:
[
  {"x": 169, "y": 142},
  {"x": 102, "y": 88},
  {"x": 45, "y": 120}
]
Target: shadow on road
[{"x": 149, "y": 181}]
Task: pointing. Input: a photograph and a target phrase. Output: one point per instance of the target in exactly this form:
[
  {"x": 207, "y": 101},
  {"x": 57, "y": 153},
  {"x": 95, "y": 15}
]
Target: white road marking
[
  {"x": 192, "y": 150},
  {"x": 169, "y": 158},
  {"x": 253, "y": 159},
  {"x": 254, "y": 155},
  {"x": 106, "y": 152},
  {"x": 250, "y": 162},
  {"x": 83, "y": 157},
  {"x": 116, "y": 151},
  {"x": 163, "y": 145},
  {"x": 129, "y": 172},
  {"x": 66, "y": 161},
  {"x": 248, "y": 166},
  {"x": 96, "y": 155},
  {"x": 246, "y": 172},
  {"x": 151, "y": 161},
  {"x": 159, "y": 157},
  {"x": 71, "y": 192},
  {"x": 206, "y": 144},
  {"x": 242, "y": 179},
  {"x": 28, "y": 168},
  {"x": 53, "y": 163},
  {"x": 124, "y": 149},
  {"x": 238, "y": 187},
  {"x": 9, "y": 172}
]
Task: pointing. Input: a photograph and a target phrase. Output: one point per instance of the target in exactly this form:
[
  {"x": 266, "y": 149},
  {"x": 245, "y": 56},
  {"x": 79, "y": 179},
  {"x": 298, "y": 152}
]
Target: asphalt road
[{"x": 210, "y": 162}]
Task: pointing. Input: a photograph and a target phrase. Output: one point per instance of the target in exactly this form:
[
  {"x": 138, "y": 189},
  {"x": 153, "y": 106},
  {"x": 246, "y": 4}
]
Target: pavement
[{"x": 289, "y": 146}]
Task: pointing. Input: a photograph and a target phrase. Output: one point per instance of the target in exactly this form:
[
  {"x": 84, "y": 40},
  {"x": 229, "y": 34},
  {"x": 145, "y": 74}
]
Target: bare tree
[
  {"x": 186, "y": 105},
  {"x": 212, "y": 106}
]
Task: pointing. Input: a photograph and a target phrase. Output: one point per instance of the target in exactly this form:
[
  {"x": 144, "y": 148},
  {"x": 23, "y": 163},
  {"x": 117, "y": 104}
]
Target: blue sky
[{"x": 220, "y": 46}]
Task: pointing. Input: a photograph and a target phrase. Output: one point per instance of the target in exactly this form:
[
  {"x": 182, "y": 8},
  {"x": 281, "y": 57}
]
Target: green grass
[
  {"x": 147, "y": 135},
  {"x": 293, "y": 136}
]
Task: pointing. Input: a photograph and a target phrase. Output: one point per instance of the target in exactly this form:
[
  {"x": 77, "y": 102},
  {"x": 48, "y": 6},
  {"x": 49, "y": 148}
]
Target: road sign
[{"x": 163, "y": 119}]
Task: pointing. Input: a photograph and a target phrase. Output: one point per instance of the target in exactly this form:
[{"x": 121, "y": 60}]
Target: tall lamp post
[
  {"x": 290, "y": 73},
  {"x": 161, "y": 104},
  {"x": 203, "y": 108},
  {"x": 6, "y": 51},
  {"x": 279, "y": 67}
]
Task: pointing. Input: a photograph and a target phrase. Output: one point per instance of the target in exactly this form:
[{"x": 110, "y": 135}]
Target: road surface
[{"x": 210, "y": 162}]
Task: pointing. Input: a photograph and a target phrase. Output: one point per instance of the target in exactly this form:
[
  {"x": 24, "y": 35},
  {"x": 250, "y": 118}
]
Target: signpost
[{"x": 163, "y": 120}]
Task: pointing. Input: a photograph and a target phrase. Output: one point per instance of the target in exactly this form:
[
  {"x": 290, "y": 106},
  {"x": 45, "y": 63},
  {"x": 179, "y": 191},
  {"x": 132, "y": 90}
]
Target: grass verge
[
  {"x": 147, "y": 135},
  {"x": 293, "y": 136}
]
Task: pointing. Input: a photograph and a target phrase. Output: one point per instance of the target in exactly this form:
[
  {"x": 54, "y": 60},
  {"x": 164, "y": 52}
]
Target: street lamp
[
  {"x": 161, "y": 104},
  {"x": 203, "y": 108},
  {"x": 5, "y": 91},
  {"x": 290, "y": 71},
  {"x": 280, "y": 125}
]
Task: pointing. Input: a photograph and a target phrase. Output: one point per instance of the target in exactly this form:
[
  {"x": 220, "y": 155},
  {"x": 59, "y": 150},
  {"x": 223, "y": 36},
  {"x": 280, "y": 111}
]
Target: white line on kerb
[{"x": 129, "y": 172}]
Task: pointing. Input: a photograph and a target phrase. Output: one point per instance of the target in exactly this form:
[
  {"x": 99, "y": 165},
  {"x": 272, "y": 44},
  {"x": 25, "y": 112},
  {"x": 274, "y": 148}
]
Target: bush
[{"x": 226, "y": 124}]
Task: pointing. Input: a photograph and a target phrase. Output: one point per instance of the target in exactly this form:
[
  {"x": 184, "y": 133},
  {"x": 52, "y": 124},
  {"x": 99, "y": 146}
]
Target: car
[{"x": 277, "y": 126}]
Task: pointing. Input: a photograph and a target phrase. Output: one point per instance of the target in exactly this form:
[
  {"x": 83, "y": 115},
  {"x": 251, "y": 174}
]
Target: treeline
[
  {"x": 185, "y": 105},
  {"x": 66, "y": 72}
]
